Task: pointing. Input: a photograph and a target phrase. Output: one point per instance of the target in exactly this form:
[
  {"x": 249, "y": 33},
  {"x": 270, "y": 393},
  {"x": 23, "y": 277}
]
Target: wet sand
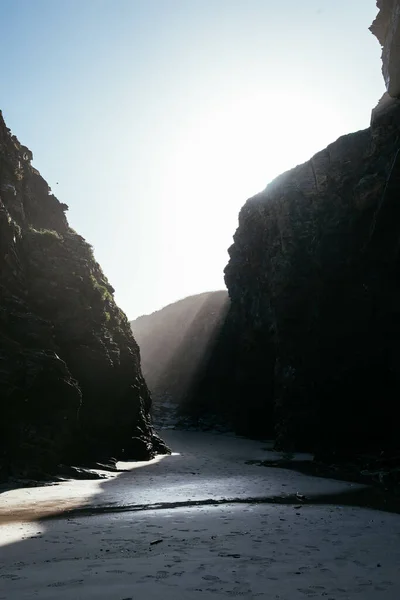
[{"x": 200, "y": 523}]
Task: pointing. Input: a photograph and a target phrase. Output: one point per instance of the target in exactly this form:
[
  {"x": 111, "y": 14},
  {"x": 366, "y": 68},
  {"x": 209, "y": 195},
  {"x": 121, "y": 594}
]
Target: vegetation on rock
[{"x": 71, "y": 386}]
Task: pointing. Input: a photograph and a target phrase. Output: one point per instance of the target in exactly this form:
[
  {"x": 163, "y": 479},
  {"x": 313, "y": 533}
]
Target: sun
[
  {"x": 248, "y": 139},
  {"x": 224, "y": 156}
]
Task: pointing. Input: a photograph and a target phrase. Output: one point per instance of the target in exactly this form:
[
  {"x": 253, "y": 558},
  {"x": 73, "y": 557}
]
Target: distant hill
[{"x": 176, "y": 341}]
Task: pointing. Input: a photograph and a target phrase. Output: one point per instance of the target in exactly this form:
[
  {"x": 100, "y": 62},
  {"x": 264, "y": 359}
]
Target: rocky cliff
[
  {"x": 71, "y": 386},
  {"x": 386, "y": 28},
  {"x": 312, "y": 336},
  {"x": 313, "y": 279},
  {"x": 175, "y": 344}
]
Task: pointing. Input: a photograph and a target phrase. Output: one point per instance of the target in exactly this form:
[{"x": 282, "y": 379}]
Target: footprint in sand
[
  {"x": 307, "y": 592},
  {"x": 66, "y": 583},
  {"x": 162, "y": 574}
]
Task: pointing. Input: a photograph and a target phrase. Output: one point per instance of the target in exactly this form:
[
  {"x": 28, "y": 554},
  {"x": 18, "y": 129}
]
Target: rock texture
[
  {"x": 313, "y": 279},
  {"x": 70, "y": 380},
  {"x": 386, "y": 28},
  {"x": 313, "y": 332},
  {"x": 175, "y": 344}
]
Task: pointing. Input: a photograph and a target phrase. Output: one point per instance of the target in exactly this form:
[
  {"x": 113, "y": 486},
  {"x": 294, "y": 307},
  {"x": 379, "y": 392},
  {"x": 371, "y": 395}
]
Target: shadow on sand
[
  {"x": 127, "y": 513},
  {"x": 114, "y": 494}
]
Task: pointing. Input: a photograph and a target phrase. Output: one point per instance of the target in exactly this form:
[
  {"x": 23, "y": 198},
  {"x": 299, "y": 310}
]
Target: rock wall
[
  {"x": 175, "y": 343},
  {"x": 70, "y": 380},
  {"x": 313, "y": 275},
  {"x": 386, "y": 28},
  {"x": 312, "y": 336}
]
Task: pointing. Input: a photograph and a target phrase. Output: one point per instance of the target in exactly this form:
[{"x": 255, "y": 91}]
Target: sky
[{"x": 155, "y": 120}]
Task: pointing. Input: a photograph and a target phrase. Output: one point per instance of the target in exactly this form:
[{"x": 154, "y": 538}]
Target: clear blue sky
[{"x": 158, "y": 118}]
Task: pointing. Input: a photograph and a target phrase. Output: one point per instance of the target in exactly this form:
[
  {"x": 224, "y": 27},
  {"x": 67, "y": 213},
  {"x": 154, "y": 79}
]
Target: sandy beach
[{"x": 201, "y": 523}]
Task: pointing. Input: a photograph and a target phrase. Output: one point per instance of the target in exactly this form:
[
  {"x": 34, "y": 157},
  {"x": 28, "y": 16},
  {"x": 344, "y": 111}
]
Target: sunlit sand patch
[
  {"x": 17, "y": 532},
  {"x": 31, "y": 504},
  {"x": 131, "y": 465},
  {"x": 35, "y": 503}
]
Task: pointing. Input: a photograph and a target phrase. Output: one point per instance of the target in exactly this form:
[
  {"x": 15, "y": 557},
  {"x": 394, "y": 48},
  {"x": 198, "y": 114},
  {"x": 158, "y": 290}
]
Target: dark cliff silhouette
[
  {"x": 71, "y": 387},
  {"x": 309, "y": 349}
]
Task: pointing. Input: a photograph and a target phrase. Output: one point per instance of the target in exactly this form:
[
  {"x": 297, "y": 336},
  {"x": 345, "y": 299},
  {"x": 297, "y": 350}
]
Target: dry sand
[{"x": 224, "y": 528}]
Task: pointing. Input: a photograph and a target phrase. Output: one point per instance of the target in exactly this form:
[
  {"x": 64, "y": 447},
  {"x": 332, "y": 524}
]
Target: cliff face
[
  {"x": 175, "y": 343},
  {"x": 313, "y": 332},
  {"x": 313, "y": 275},
  {"x": 70, "y": 380},
  {"x": 386, "y": 28}
]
